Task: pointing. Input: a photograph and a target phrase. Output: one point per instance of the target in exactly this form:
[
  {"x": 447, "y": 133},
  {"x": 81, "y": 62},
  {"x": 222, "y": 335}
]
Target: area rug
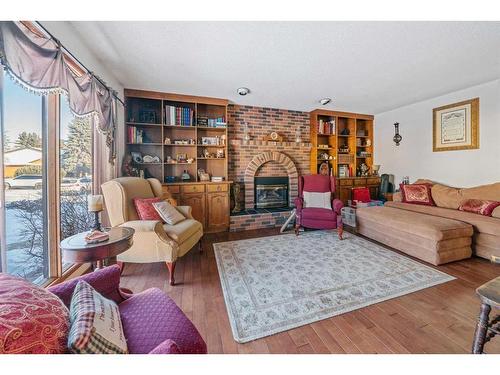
[{"x": 273, "y": 284}]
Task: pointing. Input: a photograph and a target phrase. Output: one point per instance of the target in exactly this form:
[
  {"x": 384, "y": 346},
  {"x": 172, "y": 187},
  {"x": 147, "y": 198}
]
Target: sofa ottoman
[{"x": 436, "y": 240}]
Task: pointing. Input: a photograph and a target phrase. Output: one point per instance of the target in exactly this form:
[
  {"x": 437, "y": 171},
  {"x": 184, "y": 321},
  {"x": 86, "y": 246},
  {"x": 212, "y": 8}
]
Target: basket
[{"x": 348, "y": 216}]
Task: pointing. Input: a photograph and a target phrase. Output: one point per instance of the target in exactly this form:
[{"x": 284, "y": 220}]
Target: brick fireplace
[
  {"x": 285, "y": 167},
  {"x": 258, "y": 158}
]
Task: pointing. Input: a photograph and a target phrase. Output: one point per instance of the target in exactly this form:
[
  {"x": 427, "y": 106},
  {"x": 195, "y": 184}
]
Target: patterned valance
[{"x": 38, "y": 63}]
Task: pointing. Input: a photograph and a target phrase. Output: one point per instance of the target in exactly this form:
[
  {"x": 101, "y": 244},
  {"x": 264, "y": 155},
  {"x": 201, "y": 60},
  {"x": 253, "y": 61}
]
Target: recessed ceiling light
[
  {"x": 243, "y": 91},
  {"x": 325, "y": 101}
]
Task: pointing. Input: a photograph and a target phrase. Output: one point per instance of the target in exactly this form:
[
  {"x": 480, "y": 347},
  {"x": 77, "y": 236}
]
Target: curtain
[{"x": 39, "y": 64}]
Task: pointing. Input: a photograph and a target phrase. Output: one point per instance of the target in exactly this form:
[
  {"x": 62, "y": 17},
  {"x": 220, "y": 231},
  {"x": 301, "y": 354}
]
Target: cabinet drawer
[
  {"x": 217, "y": 188},
  {"x": 345, "y": 182},
  {"x": 360, "y": 182},
  {"x": 193, "y": 188},
  {"x": 373, "y": 181},
  {"x": 171, "y": 189}
]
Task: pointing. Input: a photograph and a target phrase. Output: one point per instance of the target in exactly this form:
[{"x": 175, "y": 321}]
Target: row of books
[
  {"x": 326, "y": 127},
  {"x": 135, "y": 135},
  {"x": 345, "y": 171},
  {"x": 181, "y": 116},
  {"x": 218, "y": 122}
]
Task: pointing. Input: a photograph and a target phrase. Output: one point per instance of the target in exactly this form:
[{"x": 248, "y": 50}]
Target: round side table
[{"x": 76, "y": 250}]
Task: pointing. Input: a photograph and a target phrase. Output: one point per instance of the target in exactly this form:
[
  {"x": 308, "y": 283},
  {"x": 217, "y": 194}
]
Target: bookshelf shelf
[
  {"x": 154, "y": 116},
  {"x": 351, "y": 123}
]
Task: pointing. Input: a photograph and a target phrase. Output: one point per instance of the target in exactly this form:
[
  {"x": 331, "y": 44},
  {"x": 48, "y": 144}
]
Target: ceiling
[{"x": 368, "y": 67}]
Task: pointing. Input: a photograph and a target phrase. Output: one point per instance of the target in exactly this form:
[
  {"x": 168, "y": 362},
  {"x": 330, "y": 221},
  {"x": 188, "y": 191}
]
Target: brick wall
[{"x": 261, "y": 121}]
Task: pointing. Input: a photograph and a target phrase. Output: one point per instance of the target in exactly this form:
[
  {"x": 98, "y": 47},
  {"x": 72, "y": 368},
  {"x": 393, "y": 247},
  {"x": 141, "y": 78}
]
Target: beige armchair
[{"x": 153, "y": 240}]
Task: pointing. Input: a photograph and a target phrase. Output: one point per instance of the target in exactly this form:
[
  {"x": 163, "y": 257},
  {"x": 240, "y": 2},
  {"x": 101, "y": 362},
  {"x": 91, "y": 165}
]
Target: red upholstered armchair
[{"x": 313, "y": 217}]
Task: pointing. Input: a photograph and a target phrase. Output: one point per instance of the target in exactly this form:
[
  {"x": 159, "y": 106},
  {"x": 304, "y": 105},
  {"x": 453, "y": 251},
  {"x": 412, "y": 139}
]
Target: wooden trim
[
  {"x": 133, "y": 93},
  {"x": 474, "y": 105},
  {"x": 359, "y": 116},
  {"x": 74, "y": 271},
  {"x": 53, "y": 186}
]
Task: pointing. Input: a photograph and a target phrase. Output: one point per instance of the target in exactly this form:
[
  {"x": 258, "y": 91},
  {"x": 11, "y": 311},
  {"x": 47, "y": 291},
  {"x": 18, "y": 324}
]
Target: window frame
[{"x": 51, "y": 142}]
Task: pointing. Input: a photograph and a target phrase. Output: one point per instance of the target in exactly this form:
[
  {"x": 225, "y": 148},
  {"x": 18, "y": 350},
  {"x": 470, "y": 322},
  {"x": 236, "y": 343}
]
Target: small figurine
[
  {"x": 185, "y": 176},
  {"x": 363, "y": 170},
  {"x": 129, "y": 168},
  {"x": 324, "y": 169}
]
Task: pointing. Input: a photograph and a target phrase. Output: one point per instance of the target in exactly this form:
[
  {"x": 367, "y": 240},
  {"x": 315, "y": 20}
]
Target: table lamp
[
  {"x": 375, "y": 168},
  {"x": 95, "y": 205}
]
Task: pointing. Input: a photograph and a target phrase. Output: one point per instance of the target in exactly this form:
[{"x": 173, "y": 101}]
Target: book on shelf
[
  {"x": 135, "y": 135},
  {"x": 326, "y": 127},
  {"x": 179, "y": 116}
]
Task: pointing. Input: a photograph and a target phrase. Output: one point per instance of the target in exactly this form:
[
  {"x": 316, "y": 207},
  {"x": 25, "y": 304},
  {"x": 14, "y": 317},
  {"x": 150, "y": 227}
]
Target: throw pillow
[
  {"x": 496, "y": 213},
  {"x": 446, "y": 196},
  {"x": 96, "y": 327},
  {"x": 417, "y": 194},
  {"x": 317, "y": 200},
  {"x": 32, "y": 320},
  {"x": 168, "y": 213},
  {"x": 479, "y": 206},
  {"x": 145, "y": 209}
]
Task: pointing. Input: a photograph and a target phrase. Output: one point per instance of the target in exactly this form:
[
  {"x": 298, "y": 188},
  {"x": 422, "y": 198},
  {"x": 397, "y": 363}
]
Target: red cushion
[
  {"x": 417, "y": 194},
  {"x": 32, "y": 320},
  {"x": 479, "y": 206},
  {"x": 361, "y": 194},
  {"x": 145, "y": 209},
  {"x": 315, "y": 213}
]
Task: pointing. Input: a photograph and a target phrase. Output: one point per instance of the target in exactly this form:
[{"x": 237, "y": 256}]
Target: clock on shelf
[{"x": 273, "y": 137}]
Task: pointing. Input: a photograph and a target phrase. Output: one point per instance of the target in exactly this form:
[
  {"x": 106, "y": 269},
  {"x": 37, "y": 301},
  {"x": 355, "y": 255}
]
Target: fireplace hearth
[{"x": 271, "y": 192}]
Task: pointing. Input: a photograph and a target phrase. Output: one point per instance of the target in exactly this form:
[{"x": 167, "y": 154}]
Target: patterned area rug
[{"x": 272, "y": 284}]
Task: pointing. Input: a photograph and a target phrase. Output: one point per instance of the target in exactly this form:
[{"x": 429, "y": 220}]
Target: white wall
[
  {"x": 414, "y": 156},
  {"x": 74, "y": 43}
]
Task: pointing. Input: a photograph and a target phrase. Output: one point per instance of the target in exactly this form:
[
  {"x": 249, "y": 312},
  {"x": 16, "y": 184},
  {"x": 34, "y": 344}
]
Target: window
[
  {"x": 47, "y": 176},
  {"x": 24, "y": 169},
  {"x": 75, "y": 155}
]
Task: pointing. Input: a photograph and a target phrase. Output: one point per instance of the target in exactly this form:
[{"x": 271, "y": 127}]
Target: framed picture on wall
[{"x": 456, "y": 126}]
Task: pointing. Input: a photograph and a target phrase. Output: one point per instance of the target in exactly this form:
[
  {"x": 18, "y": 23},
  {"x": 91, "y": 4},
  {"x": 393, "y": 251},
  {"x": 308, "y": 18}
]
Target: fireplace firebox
[{"x": 271, "y": 192}]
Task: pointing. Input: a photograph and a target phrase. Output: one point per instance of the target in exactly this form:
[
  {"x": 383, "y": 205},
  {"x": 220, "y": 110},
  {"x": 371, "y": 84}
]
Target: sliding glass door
[
  {"x": 24, "y": 182},
  {"x": 46, "y": 164}
]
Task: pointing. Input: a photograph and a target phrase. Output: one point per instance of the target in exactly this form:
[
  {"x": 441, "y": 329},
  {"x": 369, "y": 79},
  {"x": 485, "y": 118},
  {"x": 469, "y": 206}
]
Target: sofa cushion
[
  {"x": 480, "y": 223},
  {"x": 417, "y": 194},
  {"x": 180, "y": 232},
  {"x": 32, "y": 320},
  {"x": 427, "y": 226},
  {"x": 151, "y": 317},
  {"x": 145, "y": 209},
  {"x": 446, "y": 196},
  {"x": 96, "y": 326},
  {"x": 479, "y": 206}
]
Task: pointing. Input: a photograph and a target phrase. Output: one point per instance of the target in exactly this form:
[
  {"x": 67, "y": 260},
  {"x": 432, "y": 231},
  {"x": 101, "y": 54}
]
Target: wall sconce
[
  {"x": 298, "y": 139},
  {"x": 397, "y": 137},
  {"x": 246, "y": 135}
]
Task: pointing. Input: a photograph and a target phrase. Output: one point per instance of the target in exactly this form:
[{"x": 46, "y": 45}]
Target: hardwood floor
[{"x": 440, "y": 319}]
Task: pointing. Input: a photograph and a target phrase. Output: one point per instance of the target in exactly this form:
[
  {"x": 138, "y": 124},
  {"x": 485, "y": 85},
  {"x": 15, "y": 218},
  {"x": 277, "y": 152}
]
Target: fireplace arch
[{"x": 261, "y": 159}]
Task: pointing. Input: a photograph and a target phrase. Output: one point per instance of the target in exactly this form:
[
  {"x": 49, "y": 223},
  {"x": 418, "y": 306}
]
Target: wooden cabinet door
[
  {"x": 218, "y": 212},
  {"x": 197, "y": 203},
  {"x": 345, "y": 194}
]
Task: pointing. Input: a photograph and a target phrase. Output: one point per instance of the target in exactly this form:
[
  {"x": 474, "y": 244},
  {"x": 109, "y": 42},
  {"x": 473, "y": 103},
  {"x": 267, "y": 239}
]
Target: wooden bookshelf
[
  {"x": 145, "y": 111},
  {"x": 348, "y": 143}
]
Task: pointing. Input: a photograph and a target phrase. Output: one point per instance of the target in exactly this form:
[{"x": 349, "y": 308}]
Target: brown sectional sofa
[{"x": 396, "y": 225}]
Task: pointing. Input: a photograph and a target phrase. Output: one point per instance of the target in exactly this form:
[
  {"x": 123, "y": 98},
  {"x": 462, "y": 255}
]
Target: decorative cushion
[
  {"x": 317, "y": 200},
  {"x": 145, "y": 209},
  {"x": 164, "y": 321},
  {"x": 496, "y": 213},
  {"x": 96, "y": 327},
  {"x": 478, "y": 206},
  {"x": 168, "y": 213},
  {"x": 446, "y": 196},
  {"x": 361, "y": 194},
  {"x": 417, "y": 194},
  {"x": 32, "y": 320}
]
